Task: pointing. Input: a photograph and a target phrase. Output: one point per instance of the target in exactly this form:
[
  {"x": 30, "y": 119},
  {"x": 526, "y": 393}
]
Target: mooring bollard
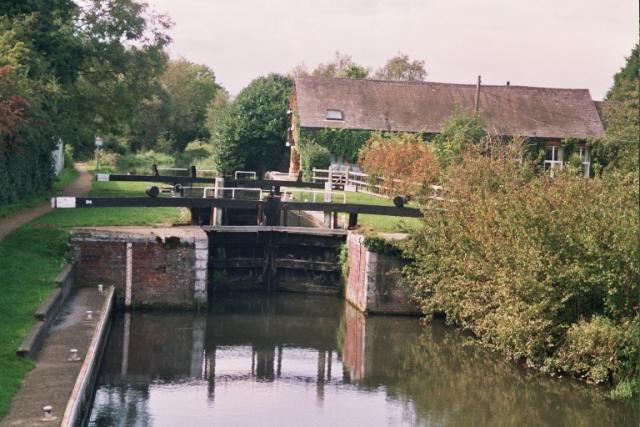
[
  {"x": 74, "y": 355},
  {"x": 48, "y": 413},
  {"x": 89, "y": 315},
  {"x": 101, "y": 289}
]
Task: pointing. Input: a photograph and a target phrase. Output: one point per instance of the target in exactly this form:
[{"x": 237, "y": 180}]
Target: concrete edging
[
  {"x": 46, "y": 314},
  {"x": 83, "y": 388}
]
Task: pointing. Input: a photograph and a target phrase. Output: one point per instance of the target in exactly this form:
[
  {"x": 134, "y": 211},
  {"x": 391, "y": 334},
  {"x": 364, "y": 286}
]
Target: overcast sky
[{"x": 556, "y": 43}]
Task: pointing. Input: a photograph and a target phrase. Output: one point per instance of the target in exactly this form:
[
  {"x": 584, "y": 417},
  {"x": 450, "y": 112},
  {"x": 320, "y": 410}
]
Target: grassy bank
[{"x": 32, "y": 256}]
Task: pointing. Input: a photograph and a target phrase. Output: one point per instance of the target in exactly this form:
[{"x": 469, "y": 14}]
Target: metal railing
[
  {"x": 360, "y": 182},
  {"x": 244, "y": 174},
  {"x": 234, "y": 192}
]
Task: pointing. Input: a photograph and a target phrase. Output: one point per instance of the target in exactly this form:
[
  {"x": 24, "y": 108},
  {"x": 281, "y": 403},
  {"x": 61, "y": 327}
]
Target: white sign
[
  {"x": 102, "y": 177},
  {"x": 63, "y": 202},
  {"x": 99, "y": 141}
]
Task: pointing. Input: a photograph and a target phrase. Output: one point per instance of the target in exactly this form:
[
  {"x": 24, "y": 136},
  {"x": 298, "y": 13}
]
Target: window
[
  {"x": 334, "y": 115},
  {"x": 553, "y": 157},
  {"x": 586, "y": 160}
]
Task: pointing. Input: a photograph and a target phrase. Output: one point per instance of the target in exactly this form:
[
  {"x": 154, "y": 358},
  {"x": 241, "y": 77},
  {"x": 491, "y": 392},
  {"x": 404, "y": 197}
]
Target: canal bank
[{"x": 57, "y": 391}]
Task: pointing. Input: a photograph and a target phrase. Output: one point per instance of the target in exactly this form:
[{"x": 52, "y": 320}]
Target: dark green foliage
[
  {"x": 630, "y": 72},
  {"x": 77, "y": 71},
  {"x": 190, "y": 88},
  {"x": 618, "y": 149},
  {"x": 313, "y": 155},
  {"x": 458, "y": 133},
  {"x": 250, "y": 133},
  {"x": 344, "y": 143},
  {"x": 381, "y": 245}
]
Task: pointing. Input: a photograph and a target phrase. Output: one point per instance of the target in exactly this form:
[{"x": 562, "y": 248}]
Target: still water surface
[{"x": 292, "y": 360}]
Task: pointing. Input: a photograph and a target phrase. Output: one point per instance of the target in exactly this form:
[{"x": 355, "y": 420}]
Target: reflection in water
[{"x": 302, "y": 360}]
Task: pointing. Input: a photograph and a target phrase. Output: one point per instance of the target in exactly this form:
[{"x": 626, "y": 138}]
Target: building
[{"x": 546, "y": 114}]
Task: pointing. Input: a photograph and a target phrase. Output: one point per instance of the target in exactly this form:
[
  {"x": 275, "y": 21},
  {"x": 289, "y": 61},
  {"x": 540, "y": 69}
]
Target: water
[{"x": 293, "y": 360}]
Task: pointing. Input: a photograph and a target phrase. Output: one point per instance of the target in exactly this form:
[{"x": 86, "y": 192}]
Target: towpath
[{"x": 79, "y": 188}]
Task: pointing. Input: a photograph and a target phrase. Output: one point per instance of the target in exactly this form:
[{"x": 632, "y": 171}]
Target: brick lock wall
[
  {"x": 99, "y": 262},
  {"x": 356, "y": 291},
  {"x": 164, "y": 272},
  {"x": 375, "y": 284}
]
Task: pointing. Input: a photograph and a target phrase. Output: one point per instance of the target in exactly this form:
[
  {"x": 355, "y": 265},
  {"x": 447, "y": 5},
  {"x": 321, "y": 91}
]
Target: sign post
[{"x": 99, "y": 142}]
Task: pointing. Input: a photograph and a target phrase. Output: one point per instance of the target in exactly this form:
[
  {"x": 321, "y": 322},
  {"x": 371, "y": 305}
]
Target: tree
[
  {"x": 250, "y": 133},
  {"x": 219, "y": 102},
  {"x": 191, "y": 89},
  {"x": 400, "y": 67},
  {"x": 341, "y": 66},
  {"x": 618, "y": 149},
  {"x": 458, "y": 133}
]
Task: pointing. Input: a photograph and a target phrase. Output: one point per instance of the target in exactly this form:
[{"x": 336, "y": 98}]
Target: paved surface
[
  {"x": 53, "y": 378},
  {"x": 79, "y": 188}
]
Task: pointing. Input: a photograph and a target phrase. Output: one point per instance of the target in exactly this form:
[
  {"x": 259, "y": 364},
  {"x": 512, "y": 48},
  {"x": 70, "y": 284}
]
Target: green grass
[
  {"x": 32, "y": 256},
  {"x": 66, "y": 177},
  {"x": 372, "y": 222}
]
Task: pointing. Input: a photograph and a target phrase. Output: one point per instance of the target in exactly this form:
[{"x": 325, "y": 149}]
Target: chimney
[
  {"x": 508, "y": 83},
  {"x": 478, "y": 94}
]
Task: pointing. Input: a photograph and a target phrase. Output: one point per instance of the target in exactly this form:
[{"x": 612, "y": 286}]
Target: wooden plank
[
  {"x": 238, "y": 263},
  {"x": 305, "y": 264},
  {"x": 171, "y": 179}
]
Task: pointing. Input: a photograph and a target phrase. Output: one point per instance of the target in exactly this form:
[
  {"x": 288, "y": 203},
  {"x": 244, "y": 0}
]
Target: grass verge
[
  {"x": 32, "y": 256},
  {"x": 371, "y": 222}
]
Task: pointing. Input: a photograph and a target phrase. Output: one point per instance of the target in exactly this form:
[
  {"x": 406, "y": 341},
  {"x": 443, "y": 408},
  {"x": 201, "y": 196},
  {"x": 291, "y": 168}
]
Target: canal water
[{"x": 299, "y": 360}]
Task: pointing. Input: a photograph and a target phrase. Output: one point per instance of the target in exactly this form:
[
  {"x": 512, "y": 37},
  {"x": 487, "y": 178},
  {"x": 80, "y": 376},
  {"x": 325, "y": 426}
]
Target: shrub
[
  {"x": 519, "y": 258},
  {"x": 314, "y": 156},
  {"x": 598, "y": 349},
  {"x": 404, "y": 161}
]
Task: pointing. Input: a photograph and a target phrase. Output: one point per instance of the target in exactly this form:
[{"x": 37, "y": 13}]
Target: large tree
[
  {"x": 191, "y": 88},
  {"x": 250, "y": 133},
  {"x": 618, "y": 149},
  {"x": 401, "y": 67}
]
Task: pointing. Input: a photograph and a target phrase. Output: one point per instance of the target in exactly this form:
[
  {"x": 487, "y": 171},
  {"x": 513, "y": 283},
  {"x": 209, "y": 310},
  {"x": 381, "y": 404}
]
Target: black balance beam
[{"x": 197, "y": 202}]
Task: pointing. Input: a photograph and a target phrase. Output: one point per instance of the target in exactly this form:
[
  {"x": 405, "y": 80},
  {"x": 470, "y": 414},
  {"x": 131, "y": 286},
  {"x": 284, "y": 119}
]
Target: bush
[
  {"x": 404, "y": 161},
  {"x": 141, "y": 163},
  {"x": 598, "y": 349},
  {"x": 313, "y": 156},
  {"x": 518, "y": 259}
]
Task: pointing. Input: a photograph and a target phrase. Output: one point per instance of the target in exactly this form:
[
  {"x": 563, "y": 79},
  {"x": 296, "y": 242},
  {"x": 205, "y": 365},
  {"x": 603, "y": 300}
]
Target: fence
[{"x": 360, "y": 182}]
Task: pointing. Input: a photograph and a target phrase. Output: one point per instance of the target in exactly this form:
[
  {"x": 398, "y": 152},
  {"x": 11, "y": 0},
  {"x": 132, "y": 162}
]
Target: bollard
[
  {"x": 101, "y": 289},
  {"x": 74, "y": 355},
  {"x": 48, "y": 414},
  {"x": 89, "y": 315}
]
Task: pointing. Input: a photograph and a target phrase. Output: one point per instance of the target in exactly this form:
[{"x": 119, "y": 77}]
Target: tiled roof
[{"x": 426, "y": 106}]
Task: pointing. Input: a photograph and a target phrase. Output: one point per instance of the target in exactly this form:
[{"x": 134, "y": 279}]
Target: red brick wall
[
  {"x": 162, "y": 275},
  {"x": 100, "y": 263},
  {"x": 355, "y": 291}
]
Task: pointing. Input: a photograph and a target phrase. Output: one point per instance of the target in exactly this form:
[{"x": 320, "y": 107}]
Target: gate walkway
[{"x": 79, "y": 188}]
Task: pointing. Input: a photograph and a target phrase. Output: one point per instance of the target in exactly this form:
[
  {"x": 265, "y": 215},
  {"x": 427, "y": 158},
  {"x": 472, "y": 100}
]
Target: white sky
[{"x": 556, "y": 43}]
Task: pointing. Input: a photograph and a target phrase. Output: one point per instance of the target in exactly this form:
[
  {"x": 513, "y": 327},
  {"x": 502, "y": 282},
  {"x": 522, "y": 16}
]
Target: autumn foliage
[{"x": 405, "y": 162}]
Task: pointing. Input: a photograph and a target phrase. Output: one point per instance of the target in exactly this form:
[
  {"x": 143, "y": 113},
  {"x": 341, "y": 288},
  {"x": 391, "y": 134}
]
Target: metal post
[
  {"x": 218, "y": 193},
  {"x": 328, "y": 220}
]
